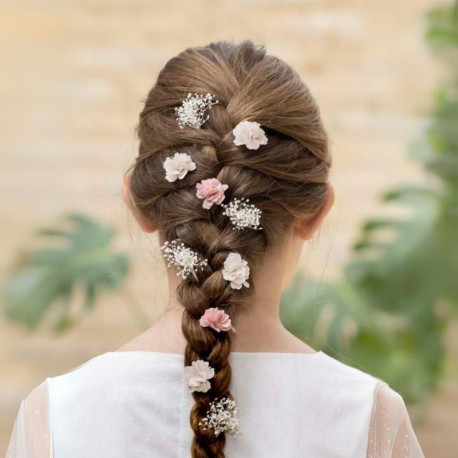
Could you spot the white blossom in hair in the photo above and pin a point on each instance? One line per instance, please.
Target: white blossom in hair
(178, 254)
(250, 134)
(191, 112)
(236, 270)
(178, 166)
(222, 417)
(243, 214)
(197, 376)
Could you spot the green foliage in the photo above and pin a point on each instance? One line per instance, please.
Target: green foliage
(389, 312)
(48, 278)
(339, 319)
(442, 28)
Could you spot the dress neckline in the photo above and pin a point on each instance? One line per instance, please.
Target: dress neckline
(237, 354)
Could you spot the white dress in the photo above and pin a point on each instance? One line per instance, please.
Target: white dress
(135, 404)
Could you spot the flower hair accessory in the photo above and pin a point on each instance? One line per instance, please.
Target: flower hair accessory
(191, 112)
(197, 376)
(222, 417)
(178, 166)
(177, 254)
(250, 134)
(216, 319)
(212, 191)
(243, 214)
(236, 270)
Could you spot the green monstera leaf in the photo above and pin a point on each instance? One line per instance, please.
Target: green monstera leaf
(45, 280)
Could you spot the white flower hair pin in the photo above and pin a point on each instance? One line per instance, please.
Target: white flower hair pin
(192, 110)
(236, 270)
(178, 254)
(222, 417)
(197, 376)
(178, 166)
(243, 214)
(250, 134)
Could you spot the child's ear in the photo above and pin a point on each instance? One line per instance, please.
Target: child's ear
(306, 229)
(143, 222)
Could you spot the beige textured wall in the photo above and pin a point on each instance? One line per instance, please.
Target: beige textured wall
(74, 74)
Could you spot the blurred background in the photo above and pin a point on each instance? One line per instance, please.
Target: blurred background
(377, 287)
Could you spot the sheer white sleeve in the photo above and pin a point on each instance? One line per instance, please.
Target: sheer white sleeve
(31, 434)
(391, 434)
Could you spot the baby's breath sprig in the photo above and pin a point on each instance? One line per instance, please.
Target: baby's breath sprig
(178, 254)
(222, 417)
(191, 112)
(243, 214)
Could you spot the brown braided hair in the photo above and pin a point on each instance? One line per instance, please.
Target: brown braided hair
(285, 179)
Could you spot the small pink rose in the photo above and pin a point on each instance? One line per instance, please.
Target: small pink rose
(212, 191)
(217, 319)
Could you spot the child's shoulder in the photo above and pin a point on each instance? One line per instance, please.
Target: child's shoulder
(346, 371)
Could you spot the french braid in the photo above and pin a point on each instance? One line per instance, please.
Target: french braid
(285, 179)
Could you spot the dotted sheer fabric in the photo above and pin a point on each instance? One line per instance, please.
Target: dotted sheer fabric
(31, 432)
(123, 404)
(391, 434)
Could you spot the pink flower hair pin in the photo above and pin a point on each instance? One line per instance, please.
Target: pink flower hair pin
(212, 191)
(216, 319)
